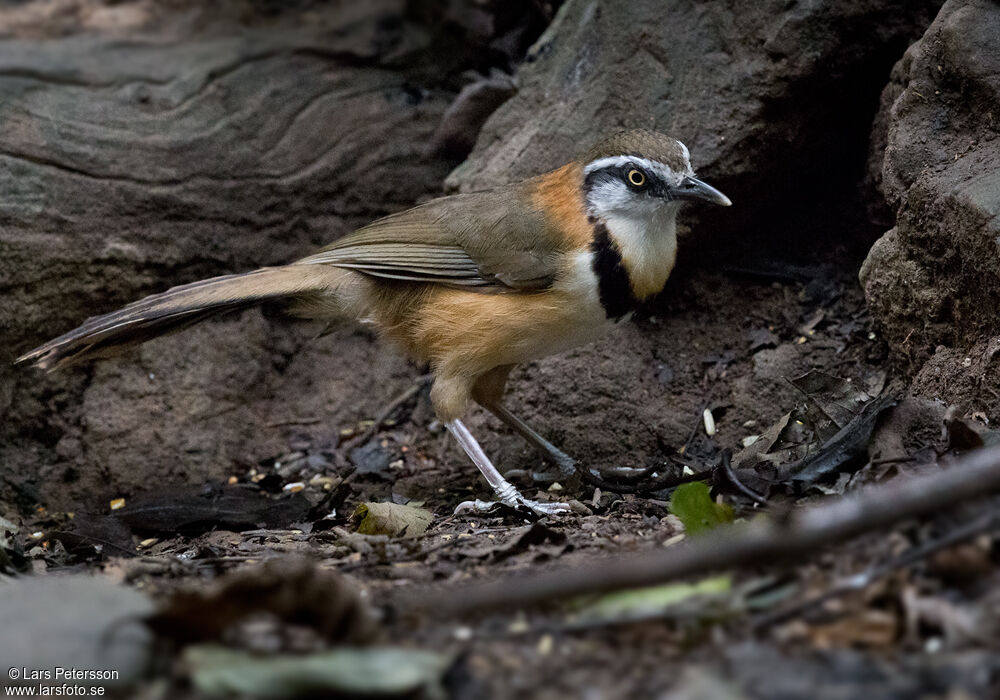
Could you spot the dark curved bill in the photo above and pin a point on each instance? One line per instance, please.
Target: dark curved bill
(693, 188)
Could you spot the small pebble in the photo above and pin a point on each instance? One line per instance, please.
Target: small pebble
(518, 626)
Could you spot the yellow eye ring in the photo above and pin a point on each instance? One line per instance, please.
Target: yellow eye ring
(636, 178)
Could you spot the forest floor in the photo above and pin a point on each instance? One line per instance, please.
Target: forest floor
(269, 562)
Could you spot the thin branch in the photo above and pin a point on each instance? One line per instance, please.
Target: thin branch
(797, 536)
(726, 467)
(383, 415)
(634, 483)
(984, 523)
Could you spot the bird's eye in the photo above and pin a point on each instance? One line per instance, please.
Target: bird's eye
(636, 178)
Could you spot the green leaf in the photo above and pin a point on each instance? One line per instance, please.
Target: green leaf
(371, 672)
(654, 599)
(392, 519)
(696, 509)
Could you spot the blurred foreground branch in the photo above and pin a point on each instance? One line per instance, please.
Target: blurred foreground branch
(797, 535)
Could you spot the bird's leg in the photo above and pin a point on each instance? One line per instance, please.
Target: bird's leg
(506, 492)
(488, 393)
(567, 468)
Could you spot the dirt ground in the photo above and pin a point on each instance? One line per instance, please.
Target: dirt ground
(726, 340)
(224, 486)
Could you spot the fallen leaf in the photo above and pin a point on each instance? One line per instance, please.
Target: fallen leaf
(867, 628)
(839, 399)
(193, 510)
(847, 446)
(644, 602)
(763, 444)
(392, 519)
(373, 672)
(696, 509)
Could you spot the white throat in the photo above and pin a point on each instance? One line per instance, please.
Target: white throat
(642, 223)
(647, 241)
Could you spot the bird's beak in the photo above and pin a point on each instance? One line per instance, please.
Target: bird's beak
(693, 188)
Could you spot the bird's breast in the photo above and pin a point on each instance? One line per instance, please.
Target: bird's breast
(614, 285)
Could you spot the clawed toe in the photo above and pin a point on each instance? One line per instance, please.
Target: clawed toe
(517, 502)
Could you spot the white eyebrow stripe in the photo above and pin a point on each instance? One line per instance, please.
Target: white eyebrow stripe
(619, 161)
(687, 153)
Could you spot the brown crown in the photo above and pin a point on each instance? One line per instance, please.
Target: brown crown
(642, 143)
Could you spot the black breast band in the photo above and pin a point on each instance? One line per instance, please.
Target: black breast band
(613, 284)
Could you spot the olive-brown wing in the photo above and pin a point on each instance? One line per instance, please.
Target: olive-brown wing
(493, 241)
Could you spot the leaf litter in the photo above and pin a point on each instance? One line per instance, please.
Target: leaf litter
(230, 601)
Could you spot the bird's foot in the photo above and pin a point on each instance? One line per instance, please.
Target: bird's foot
(512, 498)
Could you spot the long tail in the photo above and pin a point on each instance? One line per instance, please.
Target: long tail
(178, 308)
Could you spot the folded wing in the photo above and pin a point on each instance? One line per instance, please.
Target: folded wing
(489, 241)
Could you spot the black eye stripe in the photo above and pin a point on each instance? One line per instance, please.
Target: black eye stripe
(619, 173)
(626, 175)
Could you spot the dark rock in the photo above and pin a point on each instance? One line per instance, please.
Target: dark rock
(461, 123)
(160, 143)
(932, 281)
(774, 99)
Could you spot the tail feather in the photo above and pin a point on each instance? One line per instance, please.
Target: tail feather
(179, 308)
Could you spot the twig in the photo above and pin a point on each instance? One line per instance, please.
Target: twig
(858, 582)
(383, 415)
(726, 467)
(629, 484)
(744, 545)
(300, 421)
(694, 430)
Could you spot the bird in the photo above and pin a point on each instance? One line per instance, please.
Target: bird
(471, 284)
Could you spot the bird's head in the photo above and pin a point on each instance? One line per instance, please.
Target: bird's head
(634, 183)
(640, 178)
